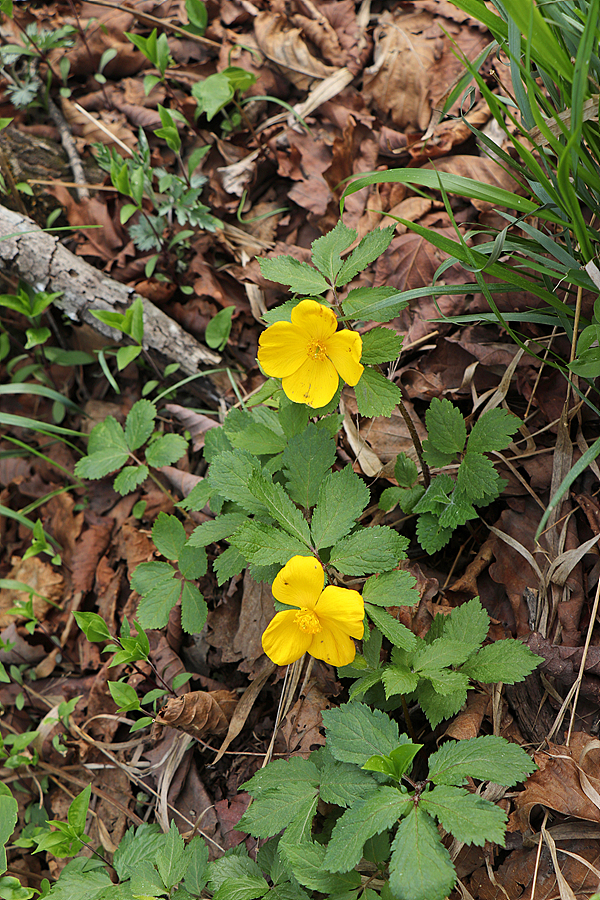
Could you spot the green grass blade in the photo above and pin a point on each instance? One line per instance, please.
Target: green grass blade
(33, 425)
(40, 390)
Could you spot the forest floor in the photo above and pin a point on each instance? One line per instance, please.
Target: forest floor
(275, 186)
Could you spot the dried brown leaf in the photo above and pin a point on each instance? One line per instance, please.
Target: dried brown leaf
(199, 712)
(285, 47)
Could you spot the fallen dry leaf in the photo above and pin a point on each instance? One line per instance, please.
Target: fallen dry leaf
(198, 713)
(285, 47)
(40, 576)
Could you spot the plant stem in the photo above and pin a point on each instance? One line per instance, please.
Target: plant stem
(416, 442)
(407, 719)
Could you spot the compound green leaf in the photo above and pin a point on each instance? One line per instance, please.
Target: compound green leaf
(215, 530)
(275, 809)
(488, 758)
(129, 478)
(307, 861)
(420, 867)
(508, 661)
(246, 432)
(343, 783)
(342, 498)
(300, 276)
(101, 463)
(468, 817)
(364, 819)
(439, 654)
(430, 533)
(397, 588)
(468, 623)
(395, 631)
(229, 475)
(171, 861)
(405, 471)
(265, 545)
(376, 549)
(159, 590)
(398, 680)
(193, 609)
(477, 477)
(229, 563)
(436, 706)
(136, 845)
(197, 868)
(278, 504)
(446, 427)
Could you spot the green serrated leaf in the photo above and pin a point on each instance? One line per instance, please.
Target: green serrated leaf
(405, 471)
(364, 819)
(355, 732)
(492, 431)
(468, 817)
(446, 427)
(430, 534)
(379, 304)
(307, 460)
(477, 477)
(395, 588)
(197, 870)
(215, 530)
(166, 450)
(376, 549)
(343, 783)
(171, 861)
(264, 545)
(342, 498)
(436, 706)
(246, 432)
(420, 866)
(372, 245)
(390, 498)
(468, 624)
(129, 478)
(508, 661)
(230, 867)
(398, 680)
(193, 609)
(159, 589)
(326, 250)
(197, 498)
(300, 276)
(275, 808)
(229, 563)
(278, 504)
(307, 861)
(380, 345)
(168, 535)
(376, 395)
(487, 758)
(229, 475)
(8, 819)
(439, 654)
(192, 562)
(394, 631)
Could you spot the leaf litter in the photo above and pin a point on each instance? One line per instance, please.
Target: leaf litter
(367, 95)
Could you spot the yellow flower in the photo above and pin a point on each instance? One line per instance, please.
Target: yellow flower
(309, 355)
(325, 622)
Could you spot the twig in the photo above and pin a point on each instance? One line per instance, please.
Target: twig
(416, 442)
(68, 143)
(147, 19)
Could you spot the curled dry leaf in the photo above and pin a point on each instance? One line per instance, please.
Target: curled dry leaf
(285, 47)
(196, 423)
(199, 712)
(41, 577)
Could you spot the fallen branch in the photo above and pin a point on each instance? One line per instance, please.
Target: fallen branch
(39, 258)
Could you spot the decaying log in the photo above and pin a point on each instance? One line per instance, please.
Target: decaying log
(40, 259)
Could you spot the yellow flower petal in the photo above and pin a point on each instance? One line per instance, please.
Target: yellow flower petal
(283, 641)
(314, 383)
(342, 607)
(333, 645)
(300, 582)
(344, 349)
(282, 349)
(317, 321)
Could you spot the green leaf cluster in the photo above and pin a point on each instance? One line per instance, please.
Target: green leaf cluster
(110, 447)
(446, 503)
(436, 671)
(361, 774)
(332, 270)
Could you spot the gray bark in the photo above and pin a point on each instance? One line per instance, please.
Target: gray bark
(39, 259)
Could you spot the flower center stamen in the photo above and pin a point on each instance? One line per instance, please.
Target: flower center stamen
(307, 621)
(316, 350)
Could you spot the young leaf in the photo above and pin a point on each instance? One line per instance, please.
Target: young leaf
(492, 431)
(487, 758)
(365, 818)
(342, 498)
(405, 471)
(168, 535)
(468, 817)
(278, 504)
(264, 545)
(307, 861)
(420, 866)
(372, 245)
(393, 630)
(307, 460)
(380, 345)
(355, 732)
(193, 609)
(508, 661)
(124, 695)
(301, 278)
(376, 549)
(140, 423)
(166, 450)
(430, 533)
(390, 498)
(395, 588)
(93, 626)
(376, 395)
(445, 426)
(326, 250)
(129, 478)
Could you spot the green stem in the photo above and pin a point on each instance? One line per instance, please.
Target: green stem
(416, 442)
